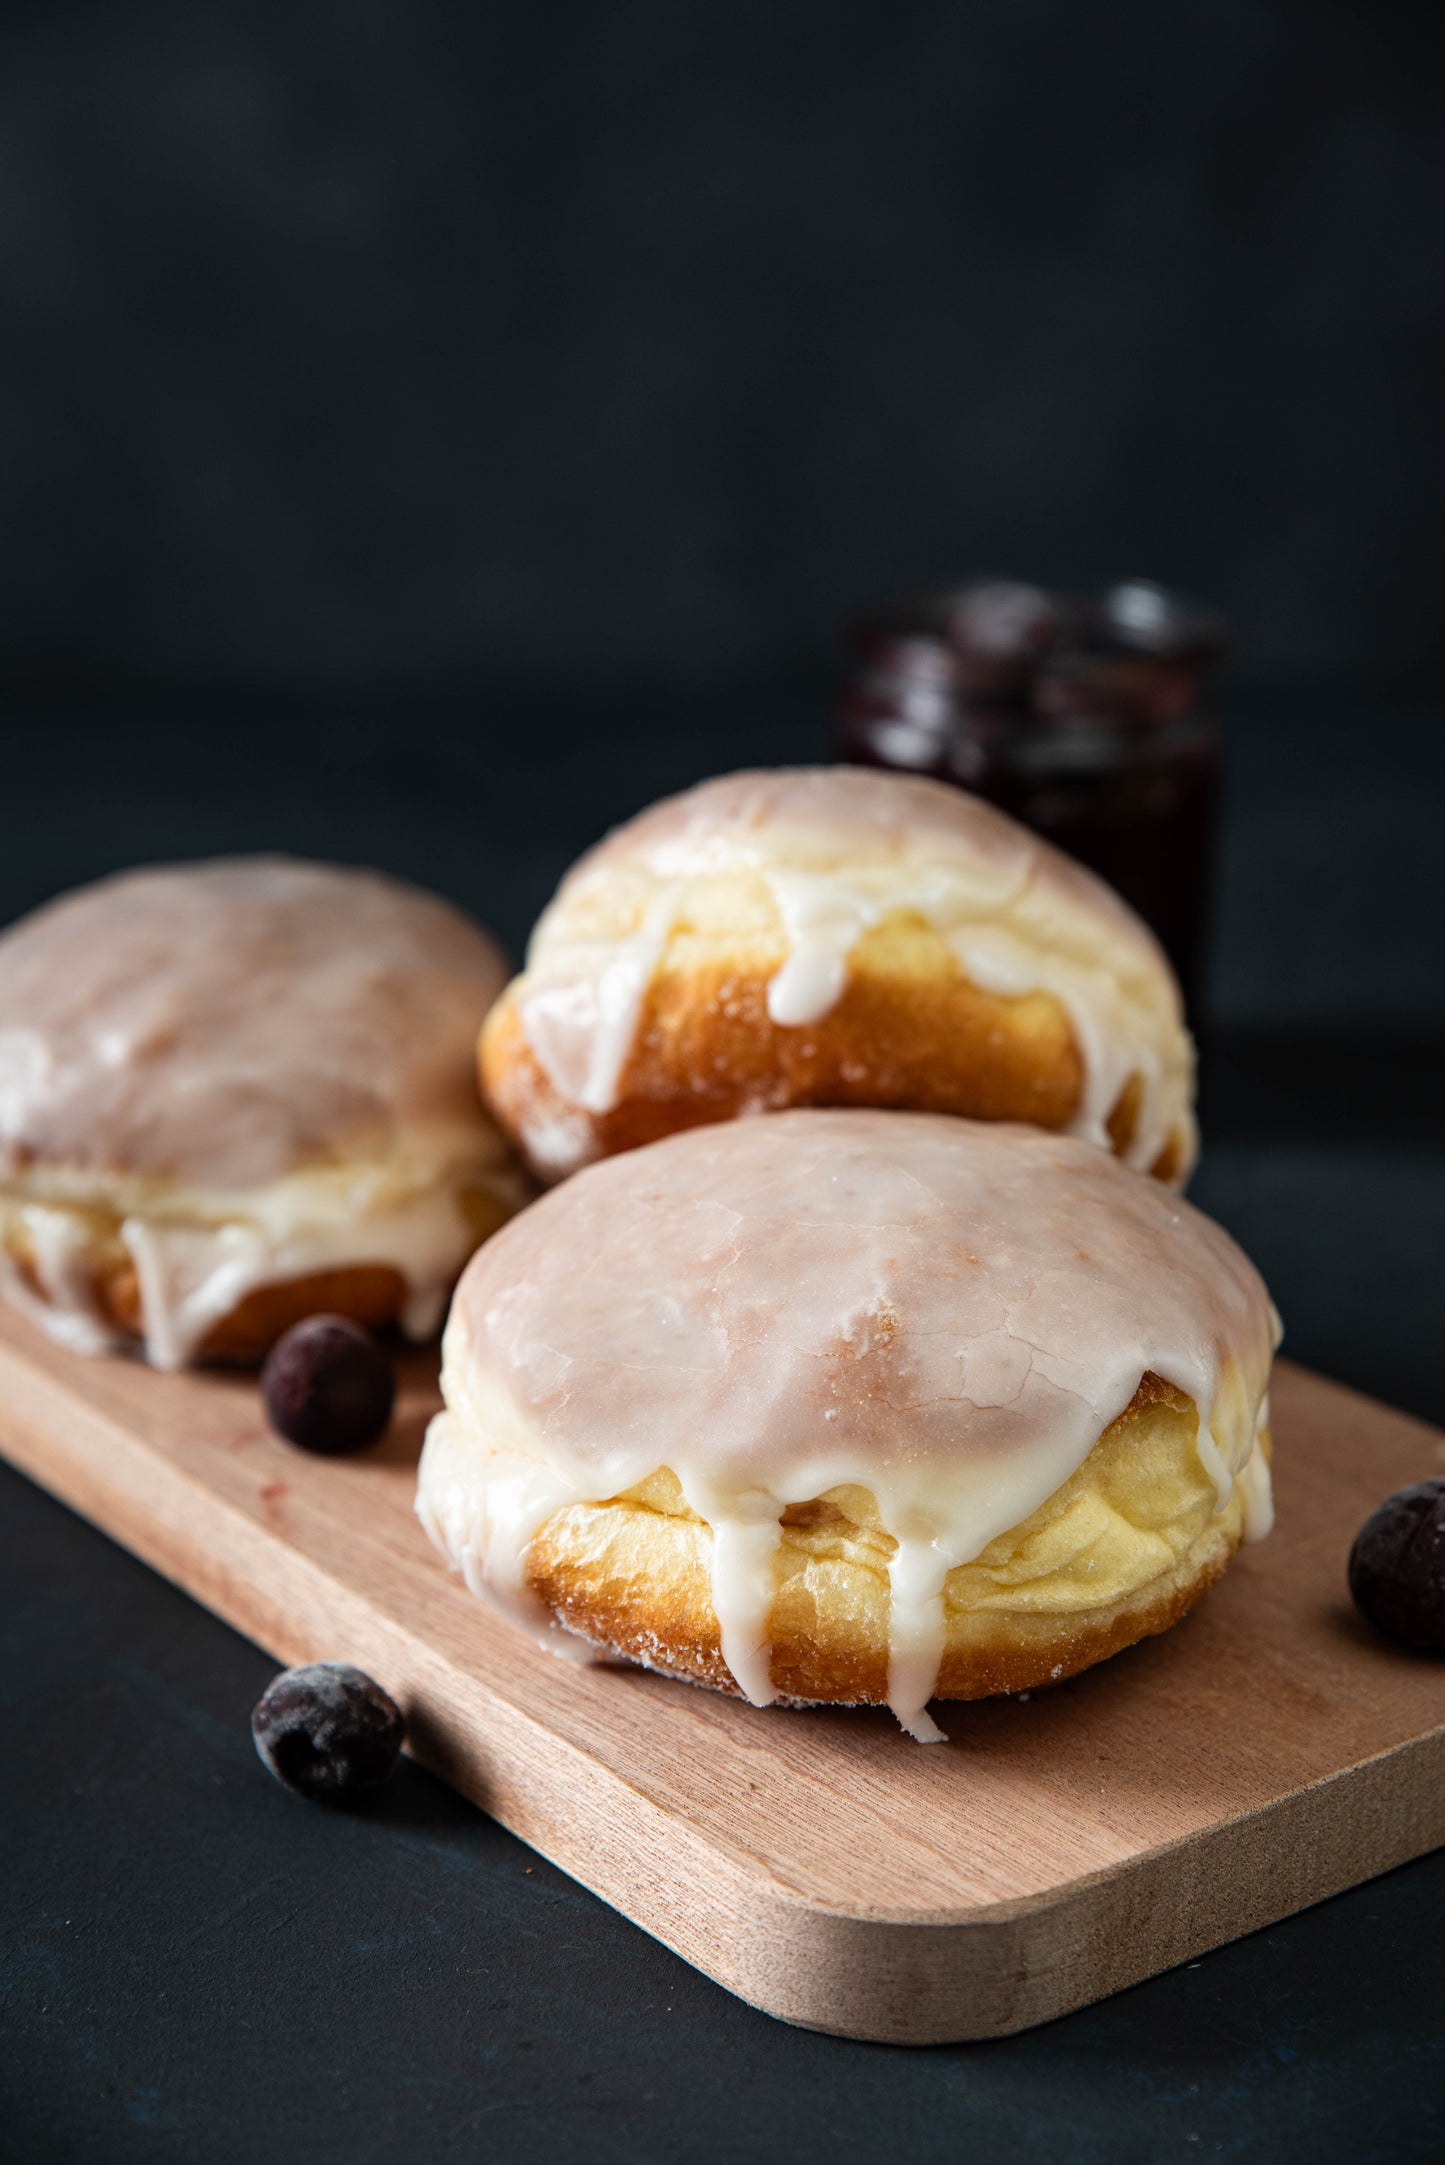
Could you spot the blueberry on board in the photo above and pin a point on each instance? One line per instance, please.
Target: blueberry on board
(1397, 1566)
(328, 1386)
(328, 1731)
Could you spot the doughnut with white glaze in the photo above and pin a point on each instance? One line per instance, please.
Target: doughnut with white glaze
(236, 1093)
(834, 936)
(853, 1406)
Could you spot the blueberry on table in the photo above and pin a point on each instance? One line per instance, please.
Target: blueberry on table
(328, 1386)
(1397, 1566)
(328, 1731)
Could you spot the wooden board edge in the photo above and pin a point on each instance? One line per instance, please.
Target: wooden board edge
(995, 1971)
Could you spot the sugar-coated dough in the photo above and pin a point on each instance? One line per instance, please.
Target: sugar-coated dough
(217, 1076)
(788, 875)
(223, 1024)
(948, 1315)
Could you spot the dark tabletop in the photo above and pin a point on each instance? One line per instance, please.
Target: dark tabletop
(196, 1966)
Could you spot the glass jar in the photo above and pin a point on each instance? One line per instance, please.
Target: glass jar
(1077, 715)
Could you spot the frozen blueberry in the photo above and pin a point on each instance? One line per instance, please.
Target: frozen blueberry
(328, 1386)
(327, 1731)
(1397, 1566)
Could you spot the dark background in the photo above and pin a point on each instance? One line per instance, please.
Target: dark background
(427, 433)
(407, 342)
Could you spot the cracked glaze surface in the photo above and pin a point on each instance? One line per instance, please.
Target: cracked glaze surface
(839, 849)
(946, 1313)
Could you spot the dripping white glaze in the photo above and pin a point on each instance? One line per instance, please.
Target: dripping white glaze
(745, 1536)
(824, 915)
(1255, 1481)
(190, 1277)
(487, 1533)
(946, 1313)
(839, 851)
(582, 1027)
(190, 1273)
(255, 1069)
(57, 1244)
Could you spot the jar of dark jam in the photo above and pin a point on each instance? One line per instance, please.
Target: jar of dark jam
(1079, 715)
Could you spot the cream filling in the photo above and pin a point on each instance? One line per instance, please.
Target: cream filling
(582, 998)
(482, 1500)
(197, 1257)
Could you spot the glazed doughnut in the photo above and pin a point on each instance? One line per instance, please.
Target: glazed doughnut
(834, 936)
(233, 1094)
(853, 1407)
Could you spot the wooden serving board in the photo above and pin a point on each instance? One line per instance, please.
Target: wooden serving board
(1269, 1751)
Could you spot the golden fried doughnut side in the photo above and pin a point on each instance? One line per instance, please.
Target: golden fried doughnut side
(827, 936)
(910, 1032)
(228, 1080)
(1119, 1553)
(373, 1294)
(368, 1293)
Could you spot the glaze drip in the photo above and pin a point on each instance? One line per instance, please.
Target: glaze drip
(582, 1028)
(65, 1308)
(243, 1072)
(190, 1277)
(837, 852)
(195, 1265)
(945, 1313)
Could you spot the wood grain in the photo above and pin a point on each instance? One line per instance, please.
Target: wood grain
(1268, 1752)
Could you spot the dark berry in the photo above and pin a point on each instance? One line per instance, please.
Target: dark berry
(327, 1731)
(1397, 1566)
(328, 1386)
